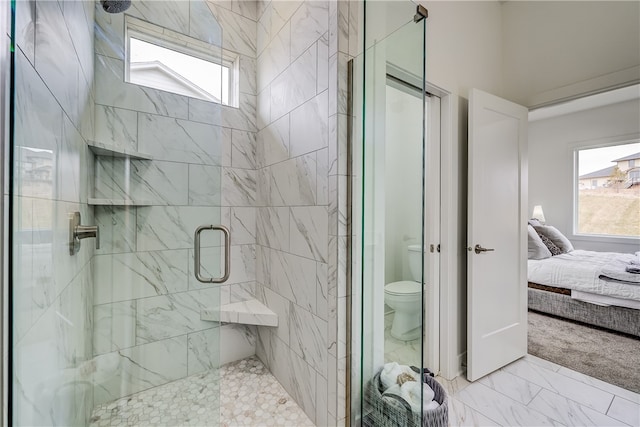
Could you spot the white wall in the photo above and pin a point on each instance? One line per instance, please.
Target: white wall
(551, 145)
(464, 46)
(403, 181)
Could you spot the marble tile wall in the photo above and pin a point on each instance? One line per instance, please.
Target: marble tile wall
(302, 52)
(53, 310)
(147, 303)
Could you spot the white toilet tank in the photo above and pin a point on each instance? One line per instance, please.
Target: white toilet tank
(415, 262)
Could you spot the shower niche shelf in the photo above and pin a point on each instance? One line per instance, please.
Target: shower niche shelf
(118, 202)
(100, 149)
(106, 150)
(250, 312)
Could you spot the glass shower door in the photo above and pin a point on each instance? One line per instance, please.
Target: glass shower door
(393, 261)
(110, 181)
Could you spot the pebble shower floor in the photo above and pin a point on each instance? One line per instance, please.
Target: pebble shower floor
(249, 396)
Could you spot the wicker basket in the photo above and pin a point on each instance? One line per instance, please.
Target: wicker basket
(389, 412)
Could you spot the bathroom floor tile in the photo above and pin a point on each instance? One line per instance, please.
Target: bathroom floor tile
(249, 396)
(402, 352)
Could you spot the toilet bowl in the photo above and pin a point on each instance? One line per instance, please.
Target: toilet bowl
(405, 298)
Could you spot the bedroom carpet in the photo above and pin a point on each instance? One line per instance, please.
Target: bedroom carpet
(608, 356)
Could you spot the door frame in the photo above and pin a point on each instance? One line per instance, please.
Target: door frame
(453, 231)
(5, 106)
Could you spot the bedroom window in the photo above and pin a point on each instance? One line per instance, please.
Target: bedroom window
(608, 190)
(174, 63)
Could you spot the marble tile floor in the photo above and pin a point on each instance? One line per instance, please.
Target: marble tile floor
(249, 396)
(534, 392)
(403, 352)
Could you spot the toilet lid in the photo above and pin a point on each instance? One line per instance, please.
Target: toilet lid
(403, 287)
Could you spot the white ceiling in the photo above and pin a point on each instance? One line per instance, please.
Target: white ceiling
(586, 103)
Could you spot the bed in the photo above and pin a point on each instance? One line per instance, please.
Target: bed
(572, 285)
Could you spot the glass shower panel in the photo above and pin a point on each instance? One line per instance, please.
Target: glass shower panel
(390, 162)
(111, 316)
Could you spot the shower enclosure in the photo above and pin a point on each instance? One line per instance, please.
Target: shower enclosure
(396, 207)
(110, 180)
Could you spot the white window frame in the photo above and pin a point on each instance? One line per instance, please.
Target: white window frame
(150, 33)
(575, 149)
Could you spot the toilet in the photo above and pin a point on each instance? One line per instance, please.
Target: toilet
(405, 297)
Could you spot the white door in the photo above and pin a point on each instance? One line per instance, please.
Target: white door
(496, 235)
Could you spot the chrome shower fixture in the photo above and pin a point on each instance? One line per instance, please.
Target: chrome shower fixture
(115, 6)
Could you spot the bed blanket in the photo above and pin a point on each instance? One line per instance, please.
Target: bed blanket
(620, 272)
(580, 270)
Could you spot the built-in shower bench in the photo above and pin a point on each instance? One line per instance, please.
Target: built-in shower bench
(250, 312)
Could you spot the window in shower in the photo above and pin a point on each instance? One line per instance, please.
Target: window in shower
(179, 65)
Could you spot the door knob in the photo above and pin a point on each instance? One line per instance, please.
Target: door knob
(479, 249)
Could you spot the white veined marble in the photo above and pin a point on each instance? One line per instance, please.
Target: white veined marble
(172, 227)
(308, 24)
(128, 276)
(295, 375)
(293, 182)
(273, 227)
(281, 306)
(275, 58)
(172, 315)
(238, 187)
(310, 126)
(498, 398)
(573, 389)
(249, 312)
(114, 92)
(160, 183)
(295, 85)
(309, 232)
(205, 184)
(243, 225)
(294, 278)
(625, 410)
(203, 24)
(273, 142)
(568, 412)
(116, 127)
(176, 140)
(308, 338)
(239, 32)
(243, 149)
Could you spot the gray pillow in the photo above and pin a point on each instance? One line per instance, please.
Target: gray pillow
(556, 237)
(537, 248)
(555, 250)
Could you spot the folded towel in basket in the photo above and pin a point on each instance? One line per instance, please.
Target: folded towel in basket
(413, 391)
(391, 371)
(431, 405)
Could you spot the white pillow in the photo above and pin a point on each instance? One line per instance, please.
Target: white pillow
(537, 248)
(555, 236)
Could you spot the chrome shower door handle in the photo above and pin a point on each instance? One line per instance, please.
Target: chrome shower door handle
(227, 254)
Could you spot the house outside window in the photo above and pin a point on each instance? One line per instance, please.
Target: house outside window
(172, 62)
(607, 190)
